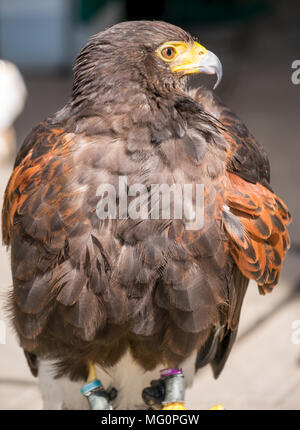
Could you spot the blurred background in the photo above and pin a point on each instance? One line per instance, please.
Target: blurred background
(257, 41)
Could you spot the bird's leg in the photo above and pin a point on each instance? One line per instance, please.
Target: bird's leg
(168, 391)
(98, 397)
(92, 376)
(174, 389)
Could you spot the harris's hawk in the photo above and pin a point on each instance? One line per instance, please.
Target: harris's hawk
(136, 294)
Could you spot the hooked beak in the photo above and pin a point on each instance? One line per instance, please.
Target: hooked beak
(199, 60)
(211, 65)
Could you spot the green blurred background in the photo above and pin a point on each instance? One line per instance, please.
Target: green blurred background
(45, 35)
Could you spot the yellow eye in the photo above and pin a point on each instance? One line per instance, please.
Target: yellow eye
(168, 53)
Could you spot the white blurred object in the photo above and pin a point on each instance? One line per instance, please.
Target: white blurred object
(12, 94)
(12, 99)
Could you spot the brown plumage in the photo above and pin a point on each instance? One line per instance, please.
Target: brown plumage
(87, 289)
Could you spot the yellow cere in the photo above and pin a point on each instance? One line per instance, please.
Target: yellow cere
(186, 56)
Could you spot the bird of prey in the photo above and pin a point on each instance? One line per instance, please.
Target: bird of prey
(132, 295)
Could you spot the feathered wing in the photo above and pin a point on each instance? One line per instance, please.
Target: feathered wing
(58, 264)
(246, 158)
(218, 345)
(263, 218)
(254, 218)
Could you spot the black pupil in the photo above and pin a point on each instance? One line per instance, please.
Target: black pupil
(169, 52)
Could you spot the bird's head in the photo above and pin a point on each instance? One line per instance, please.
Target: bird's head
(148, 53)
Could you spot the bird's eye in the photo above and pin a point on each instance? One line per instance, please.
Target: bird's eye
(168, 53)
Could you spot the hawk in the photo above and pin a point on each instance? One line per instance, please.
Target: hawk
(132, 295)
